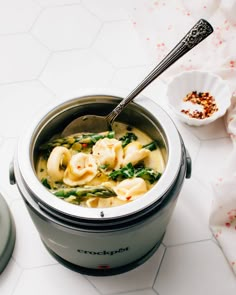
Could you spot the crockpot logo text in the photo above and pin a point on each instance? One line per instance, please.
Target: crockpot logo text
(104, 252)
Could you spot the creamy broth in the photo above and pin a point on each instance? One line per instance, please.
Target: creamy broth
(101, 170)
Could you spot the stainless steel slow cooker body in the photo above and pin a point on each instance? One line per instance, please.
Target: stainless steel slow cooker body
(102, 241)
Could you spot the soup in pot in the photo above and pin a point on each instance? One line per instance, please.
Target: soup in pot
(103, 169)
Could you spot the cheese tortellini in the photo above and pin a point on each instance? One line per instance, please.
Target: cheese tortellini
(101, 170)
(81, 169)
(134, 153)
(59, 156)
(108, 152)
(130, 189)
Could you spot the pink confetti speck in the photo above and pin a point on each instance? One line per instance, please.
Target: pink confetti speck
(232, 63)
(147, 39)
(134, 23)
(204, 7)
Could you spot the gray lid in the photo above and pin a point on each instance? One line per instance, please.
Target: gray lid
(7, 233)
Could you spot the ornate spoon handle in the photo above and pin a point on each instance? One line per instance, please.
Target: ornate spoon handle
(198, 33)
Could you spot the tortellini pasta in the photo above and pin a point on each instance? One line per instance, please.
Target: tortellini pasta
(108, 152)
(81, 169)
(104, 203)
(102, 170)
(130, 189)
(59, 157)
(133, 153)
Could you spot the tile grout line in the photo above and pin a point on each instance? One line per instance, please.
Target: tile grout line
(159, 267)
(189, 243)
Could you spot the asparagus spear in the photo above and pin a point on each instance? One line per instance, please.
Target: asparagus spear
(85, 192)
(69, 141)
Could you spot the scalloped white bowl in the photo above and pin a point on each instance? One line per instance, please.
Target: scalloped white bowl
(199, 81)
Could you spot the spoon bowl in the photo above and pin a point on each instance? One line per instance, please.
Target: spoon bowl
(93, 123)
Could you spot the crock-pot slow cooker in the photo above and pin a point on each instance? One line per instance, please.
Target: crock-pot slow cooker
(102, 241)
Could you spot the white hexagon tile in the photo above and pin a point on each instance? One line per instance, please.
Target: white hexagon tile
(17, 16)
(69, 72)
(52, 49)
(21, 58)
(72, 27)
(22, 101)
(10, 277)
(107, 10)
(53, 3)
(117, 42)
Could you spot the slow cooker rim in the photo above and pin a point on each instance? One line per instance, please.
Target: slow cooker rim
(171, 170)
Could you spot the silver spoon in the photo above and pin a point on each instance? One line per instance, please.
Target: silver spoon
(93, 123)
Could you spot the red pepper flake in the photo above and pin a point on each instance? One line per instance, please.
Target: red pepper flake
(205, 100)
(128, 198)
(227, 224)
(84, 145)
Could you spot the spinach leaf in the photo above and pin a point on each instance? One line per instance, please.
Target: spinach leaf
(130, 171)
(127, 138)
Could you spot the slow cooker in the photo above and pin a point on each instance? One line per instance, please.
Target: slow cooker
(102, 241)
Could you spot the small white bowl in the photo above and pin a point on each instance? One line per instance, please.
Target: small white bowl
(199, 81)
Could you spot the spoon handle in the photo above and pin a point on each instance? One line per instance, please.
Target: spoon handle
(198, 33)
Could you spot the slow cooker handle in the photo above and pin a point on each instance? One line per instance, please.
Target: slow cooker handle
(188, 165)
(12, 178)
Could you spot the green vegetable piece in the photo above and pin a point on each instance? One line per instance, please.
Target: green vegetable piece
(151, 146)
(123, 173)
(128, 138)
(69, 141)
(130, 171)
(44, 181)
(85, 192)
(148, 174)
